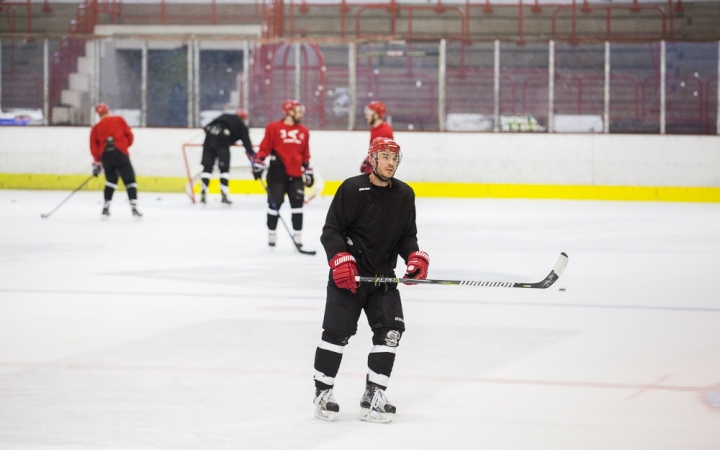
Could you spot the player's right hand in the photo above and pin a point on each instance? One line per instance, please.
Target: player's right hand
(97, 168)
(344, 271)
(258, 167)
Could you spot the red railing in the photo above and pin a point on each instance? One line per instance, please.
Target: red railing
(271, 13)
(10, 10)
(202, 14)
(608, 35)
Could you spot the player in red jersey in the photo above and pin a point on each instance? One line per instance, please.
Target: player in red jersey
(375, 115)
(110, 139)
(286, 143)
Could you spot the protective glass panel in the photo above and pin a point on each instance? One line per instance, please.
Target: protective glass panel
(523, 87)
(635, 88)
(272, 80)
(692, 70)
(404, 77)
(329, 87)
(121, 78)
(220, 84)
(470, 78)
(579, 87)
(71, 73)
(22, 82)
(167, 84)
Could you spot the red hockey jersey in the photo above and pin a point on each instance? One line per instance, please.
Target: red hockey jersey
(114, 126)
(382, 130)
(291, 144)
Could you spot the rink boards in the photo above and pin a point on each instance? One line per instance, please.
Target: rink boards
(453, 165)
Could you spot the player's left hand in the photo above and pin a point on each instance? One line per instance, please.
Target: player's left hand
(309, 177)
(258, 167)
(417, 266)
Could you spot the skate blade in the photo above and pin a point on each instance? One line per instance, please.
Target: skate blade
(369, 415)
(327, 416)
(104, 218)
(137, 219)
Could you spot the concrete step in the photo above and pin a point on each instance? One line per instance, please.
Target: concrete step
(79, 82)
(75, 99)
(85, 64)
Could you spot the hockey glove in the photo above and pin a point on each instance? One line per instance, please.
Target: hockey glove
(417, 266)
(97, 168)
(365, 166)
(309, 177)
(258, 167)
(344, 271)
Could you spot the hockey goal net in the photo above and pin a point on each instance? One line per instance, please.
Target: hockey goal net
(239, 170)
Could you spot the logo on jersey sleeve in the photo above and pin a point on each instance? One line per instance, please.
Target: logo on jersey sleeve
(292, 136)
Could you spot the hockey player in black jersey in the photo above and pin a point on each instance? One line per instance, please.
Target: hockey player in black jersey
(370, 222)
(220, 134)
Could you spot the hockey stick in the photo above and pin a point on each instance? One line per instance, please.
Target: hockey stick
(546, 283)
(273, 205)
(45, 216)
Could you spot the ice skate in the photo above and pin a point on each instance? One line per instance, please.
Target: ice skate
(272, 238)
(225, 200)
(297, 237)
(136, 214)
(106, 211)
(325, 406)
(203, 199)
(375, 406)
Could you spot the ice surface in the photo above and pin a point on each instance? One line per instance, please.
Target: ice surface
(184, 331)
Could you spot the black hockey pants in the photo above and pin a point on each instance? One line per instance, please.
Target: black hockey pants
(216, 149)
(279, 184)
(383, 310)
(117, 163)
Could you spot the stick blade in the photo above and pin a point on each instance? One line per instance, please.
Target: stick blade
(305, 252)
(561, 264)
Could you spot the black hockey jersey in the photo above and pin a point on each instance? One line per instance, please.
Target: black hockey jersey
(228, 129)
(374, 224)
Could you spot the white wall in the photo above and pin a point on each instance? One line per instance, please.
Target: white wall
(583, 159)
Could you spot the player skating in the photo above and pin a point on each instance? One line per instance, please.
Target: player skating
(110, 140)
(220, 134)
(370, 222)
(287, 143)
(375, 115)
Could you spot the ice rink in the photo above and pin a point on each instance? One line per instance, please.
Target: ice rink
(184, 331)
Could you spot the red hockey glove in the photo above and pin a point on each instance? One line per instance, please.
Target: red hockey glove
(417, 266)
(365, 166)
(344, 271)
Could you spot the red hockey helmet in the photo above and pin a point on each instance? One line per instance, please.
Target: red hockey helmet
(243, 114)
(290, 105)
(383, 145)
(378, 107)
(102, 108)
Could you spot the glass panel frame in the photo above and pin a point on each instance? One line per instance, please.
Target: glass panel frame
(524, 72)
(691, 102)
(404, 76)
